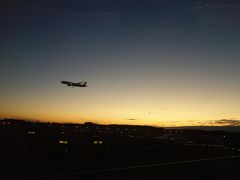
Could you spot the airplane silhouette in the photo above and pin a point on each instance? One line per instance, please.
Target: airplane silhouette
(79, 84)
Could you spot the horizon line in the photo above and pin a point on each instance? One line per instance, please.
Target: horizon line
(158, 126)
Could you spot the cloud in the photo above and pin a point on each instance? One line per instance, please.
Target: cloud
(132, 119)
(63, 10)
(101, 13)
(215, 6)
(227, 122)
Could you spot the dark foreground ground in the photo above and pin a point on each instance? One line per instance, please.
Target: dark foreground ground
(90, 151)
(215, 169)
(120, 167)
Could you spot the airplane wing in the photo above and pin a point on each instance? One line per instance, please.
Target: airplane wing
(81, 84)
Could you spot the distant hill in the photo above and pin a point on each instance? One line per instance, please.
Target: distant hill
(205, 128)
(210, 128)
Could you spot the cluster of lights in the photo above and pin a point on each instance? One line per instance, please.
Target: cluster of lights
(97, 142)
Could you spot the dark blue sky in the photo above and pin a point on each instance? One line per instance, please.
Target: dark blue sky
(137, 55)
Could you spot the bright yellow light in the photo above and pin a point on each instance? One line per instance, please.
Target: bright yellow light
(63, 142)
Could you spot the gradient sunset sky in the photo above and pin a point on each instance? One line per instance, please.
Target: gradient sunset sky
(151, 62)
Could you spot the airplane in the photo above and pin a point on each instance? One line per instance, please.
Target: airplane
(79, 84)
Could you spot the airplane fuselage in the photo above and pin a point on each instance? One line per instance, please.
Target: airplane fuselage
(79, 84)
